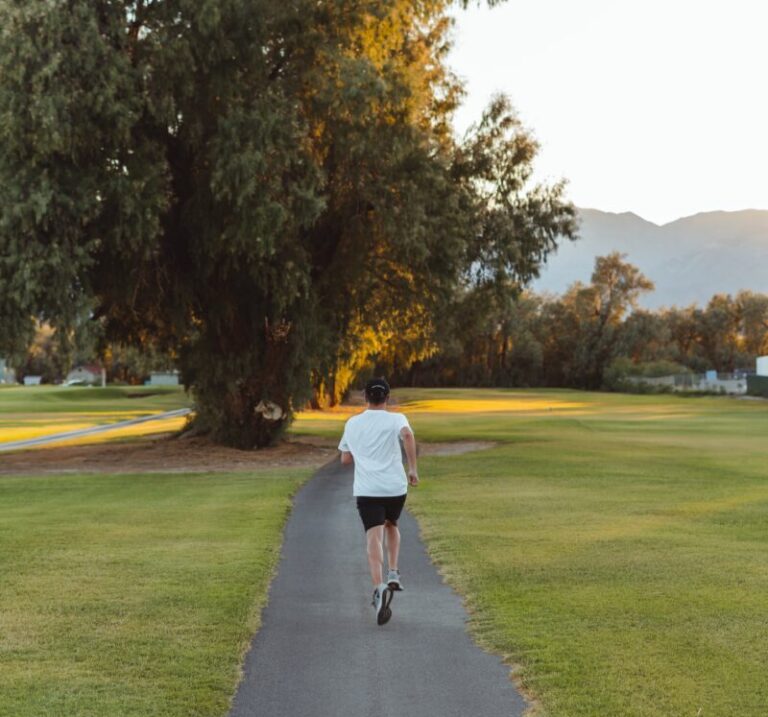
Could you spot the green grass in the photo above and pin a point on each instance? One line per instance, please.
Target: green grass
(133, 594)
(32, 411)
(614, 548)
(83, 399)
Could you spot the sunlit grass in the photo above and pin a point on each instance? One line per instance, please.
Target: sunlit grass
(456, 401)
(43, 417)
(52, 399)
(617, 550)
(140, 429)
(440, 414)
(337, 415)
(35, 411)
(524, 404)
(20, 431)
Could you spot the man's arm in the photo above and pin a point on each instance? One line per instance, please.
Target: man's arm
(346, 458)
(346, 455)
(409, 443)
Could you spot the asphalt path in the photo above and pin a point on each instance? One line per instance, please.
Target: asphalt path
(78, 433)
(319, 651)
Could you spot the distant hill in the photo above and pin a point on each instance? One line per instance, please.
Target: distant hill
(689, 259)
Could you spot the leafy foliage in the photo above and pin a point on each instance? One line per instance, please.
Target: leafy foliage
(593, 336)
(267, 192)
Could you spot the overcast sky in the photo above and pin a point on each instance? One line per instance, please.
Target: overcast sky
(658, 107)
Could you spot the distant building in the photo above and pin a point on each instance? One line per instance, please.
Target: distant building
(85, 373)
(7, 374)
(32, 380)
(757, 385)
(163, 378)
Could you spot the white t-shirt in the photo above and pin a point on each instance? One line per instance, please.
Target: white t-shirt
(373, 439)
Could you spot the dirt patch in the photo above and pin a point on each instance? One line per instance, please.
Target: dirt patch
(166, 453)
(453, 449)
(163, 453)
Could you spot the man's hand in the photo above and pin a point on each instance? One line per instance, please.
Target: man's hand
(413, 478)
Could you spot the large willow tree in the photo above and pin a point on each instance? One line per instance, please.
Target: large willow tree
(267, 190)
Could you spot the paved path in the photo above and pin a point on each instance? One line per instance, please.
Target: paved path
(67, 435)
(319, 651)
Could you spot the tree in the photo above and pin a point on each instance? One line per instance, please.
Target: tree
(645, 337)
(682, 327)
(719, 333)
(387, 246)
(43, 356)
(616, 286)
(256, 188)
(153, 158)
(753, 310)
(512, 228)
(585, 326)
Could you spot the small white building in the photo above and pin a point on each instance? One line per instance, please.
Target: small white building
(89, 374)
(32, 380)
(163, 378)
(7, 374)
(762, 366)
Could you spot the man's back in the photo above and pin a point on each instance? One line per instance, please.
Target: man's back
(373, 438)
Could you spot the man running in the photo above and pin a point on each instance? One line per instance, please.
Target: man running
(371, 441)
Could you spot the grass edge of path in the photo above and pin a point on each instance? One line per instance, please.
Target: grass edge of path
(516, 675)
(252, 609)
(254, 622)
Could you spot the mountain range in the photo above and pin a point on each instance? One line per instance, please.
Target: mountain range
(689, 260)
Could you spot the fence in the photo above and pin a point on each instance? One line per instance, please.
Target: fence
(724, 383)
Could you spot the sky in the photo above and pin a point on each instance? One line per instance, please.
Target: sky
(658, 107)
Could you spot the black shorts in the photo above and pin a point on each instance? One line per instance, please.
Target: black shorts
(374, 510)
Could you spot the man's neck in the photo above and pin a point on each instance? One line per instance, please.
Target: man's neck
(377, 406)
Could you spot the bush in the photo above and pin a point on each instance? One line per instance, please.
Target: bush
(655, 369)
(618, 374)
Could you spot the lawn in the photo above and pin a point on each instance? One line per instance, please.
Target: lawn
(613, 548)
(133, 594)
(32, 411)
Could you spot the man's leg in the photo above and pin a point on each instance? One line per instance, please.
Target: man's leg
(374, 536)
(393, 544)
(382, 594)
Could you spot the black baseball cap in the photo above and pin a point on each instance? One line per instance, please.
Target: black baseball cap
(376, 390)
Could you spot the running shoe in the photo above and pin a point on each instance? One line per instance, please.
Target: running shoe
(382, 597)
(393, 580)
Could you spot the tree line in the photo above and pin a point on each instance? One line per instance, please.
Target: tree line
(591, 336)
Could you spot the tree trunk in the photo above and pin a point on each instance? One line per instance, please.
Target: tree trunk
(242, 392)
